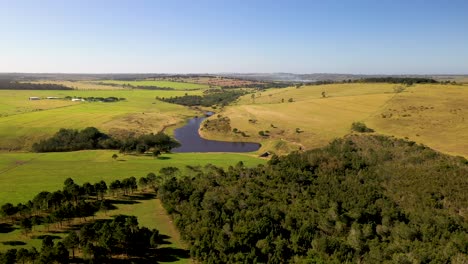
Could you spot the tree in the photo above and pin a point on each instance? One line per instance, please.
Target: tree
(156, 153)
(9, 257)
(155, 239)
(26, 225)
(115, 156)
(22, 255)
(324, 94)
(72, 241)
(290, 100)
(61, 253)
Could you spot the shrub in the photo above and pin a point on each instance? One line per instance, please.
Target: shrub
(361, 127)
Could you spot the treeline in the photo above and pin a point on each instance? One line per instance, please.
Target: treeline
(73, 201)
(220, 98)
(362, 199)
(92, 138)
(13, 85)
(402, 80)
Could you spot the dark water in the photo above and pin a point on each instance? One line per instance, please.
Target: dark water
(192, 142)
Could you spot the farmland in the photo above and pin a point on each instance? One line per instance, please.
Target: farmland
(24, 122)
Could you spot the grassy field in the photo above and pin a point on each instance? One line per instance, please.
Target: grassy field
(160, 83)
(22, 175)
(23, 122)
(443, 126)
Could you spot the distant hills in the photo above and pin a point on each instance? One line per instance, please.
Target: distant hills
(276, 77)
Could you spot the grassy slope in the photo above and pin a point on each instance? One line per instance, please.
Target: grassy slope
(141, 112)
(319, 119)
(22, 175)
(170, 84)
(444, 128)
(434, 115)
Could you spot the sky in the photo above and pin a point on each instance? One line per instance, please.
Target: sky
(201, 36)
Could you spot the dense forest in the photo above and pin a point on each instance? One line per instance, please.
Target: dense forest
(361, 199)
(221, 98)
(13, 85)
(92, 138)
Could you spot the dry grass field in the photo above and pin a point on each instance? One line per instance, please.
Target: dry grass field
(435, 115)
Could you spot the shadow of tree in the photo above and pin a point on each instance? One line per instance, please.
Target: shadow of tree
(14, 243)
(7, 228)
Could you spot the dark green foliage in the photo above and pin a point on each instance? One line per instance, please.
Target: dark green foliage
(217, 98)
(403, 80)
(92, 138)
(366, 199)
(360, 127)
(13, 85)
(122, 235)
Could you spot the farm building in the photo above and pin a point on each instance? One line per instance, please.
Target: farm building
(77, 100)
(34, 98)
(52, 97)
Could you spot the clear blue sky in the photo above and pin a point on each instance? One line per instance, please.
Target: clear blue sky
(98, 36)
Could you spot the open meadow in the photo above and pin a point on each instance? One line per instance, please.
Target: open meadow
(23, 122)
(23, 175)
(311, 116)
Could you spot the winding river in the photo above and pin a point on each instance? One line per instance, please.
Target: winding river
(191, 141)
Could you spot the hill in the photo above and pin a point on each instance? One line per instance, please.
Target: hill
(311, 116)
(365, 199)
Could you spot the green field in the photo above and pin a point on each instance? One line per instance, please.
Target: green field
(435, 115)
(169, 84)
(23, 122)
(23, 175)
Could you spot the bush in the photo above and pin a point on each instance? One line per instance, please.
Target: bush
(361, 127)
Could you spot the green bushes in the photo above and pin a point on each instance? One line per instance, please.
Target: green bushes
(92, 138)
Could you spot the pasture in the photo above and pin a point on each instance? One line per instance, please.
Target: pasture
(23, 175)
(23, 122)
(311, 116)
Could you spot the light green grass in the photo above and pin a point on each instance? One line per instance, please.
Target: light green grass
(20, 126)
(23, 175)
(170, 84)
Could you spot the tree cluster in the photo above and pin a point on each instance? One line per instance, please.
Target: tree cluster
(55, 207)
(92, 138)
(364, 198)
(216, 98)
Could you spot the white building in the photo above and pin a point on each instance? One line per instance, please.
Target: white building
(34, 98)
